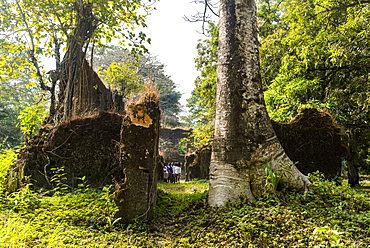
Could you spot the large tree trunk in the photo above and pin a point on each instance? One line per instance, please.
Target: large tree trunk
(244, 142)
(81, 92)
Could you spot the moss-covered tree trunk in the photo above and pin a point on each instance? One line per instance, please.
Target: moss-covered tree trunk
(244, 142)
(136, 195)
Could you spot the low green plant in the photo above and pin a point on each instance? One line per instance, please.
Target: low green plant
(175, 198)
(107, 197)
(23, 200)
(58, 180)
(30, 119)
(329, 215)
(272, 180)
(7, 158)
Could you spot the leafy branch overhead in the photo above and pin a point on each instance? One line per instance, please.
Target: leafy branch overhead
(37, 26)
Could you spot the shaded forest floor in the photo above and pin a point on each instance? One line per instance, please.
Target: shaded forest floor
(327, 216)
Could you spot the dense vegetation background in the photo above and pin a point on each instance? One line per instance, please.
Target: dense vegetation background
(313, 53)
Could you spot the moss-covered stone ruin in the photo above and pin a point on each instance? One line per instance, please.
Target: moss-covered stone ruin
(311, 139)
(95, 151)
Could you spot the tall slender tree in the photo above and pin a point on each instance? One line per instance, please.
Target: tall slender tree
(245, 143)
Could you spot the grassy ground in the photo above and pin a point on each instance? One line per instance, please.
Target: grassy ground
(327, 216)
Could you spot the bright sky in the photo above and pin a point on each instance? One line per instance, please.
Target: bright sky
(174, 41)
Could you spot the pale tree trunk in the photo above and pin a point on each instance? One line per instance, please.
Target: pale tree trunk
(244, 142)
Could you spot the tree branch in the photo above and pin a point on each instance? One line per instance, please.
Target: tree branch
(59, 20)
(31, 52)
(338, 68)
(345, 6)
(202, 16)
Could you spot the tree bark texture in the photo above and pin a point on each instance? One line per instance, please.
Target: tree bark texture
(353, 176)
(136, 195)
(244, 142)
(81, 92)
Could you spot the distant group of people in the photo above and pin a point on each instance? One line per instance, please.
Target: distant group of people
(172, 173)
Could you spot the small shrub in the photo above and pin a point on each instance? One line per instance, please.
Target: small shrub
(7, 158)
(31, 119)
(23, 200)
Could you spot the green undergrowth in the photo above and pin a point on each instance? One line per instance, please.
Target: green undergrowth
(7, 156)
(174, 199)
(327, 216)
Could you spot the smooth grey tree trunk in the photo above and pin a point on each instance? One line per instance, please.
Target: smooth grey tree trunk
(244, 142)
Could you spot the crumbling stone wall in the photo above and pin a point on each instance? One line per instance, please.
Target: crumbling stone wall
(169, 141)
(313, 140)
(189, 160)
(199, 168)
(84, 148)
(99, 150)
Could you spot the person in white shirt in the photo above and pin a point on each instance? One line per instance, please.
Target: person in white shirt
(165, 174)
(177, 172)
